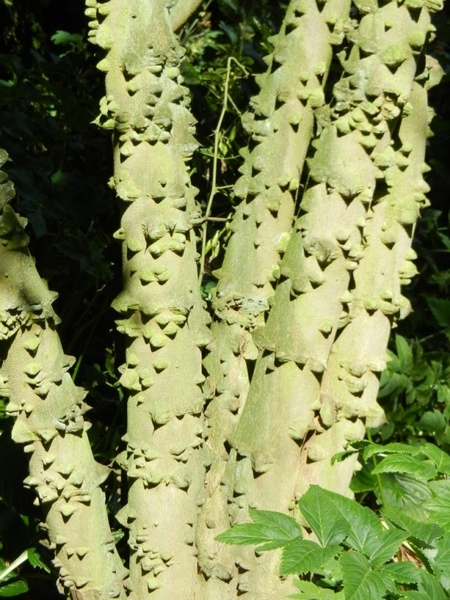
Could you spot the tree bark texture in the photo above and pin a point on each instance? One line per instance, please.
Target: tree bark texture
(309, 289)
(49, 410)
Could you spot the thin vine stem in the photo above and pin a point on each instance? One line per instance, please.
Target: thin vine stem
(214, 187)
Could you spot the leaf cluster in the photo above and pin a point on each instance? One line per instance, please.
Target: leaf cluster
(348, 551)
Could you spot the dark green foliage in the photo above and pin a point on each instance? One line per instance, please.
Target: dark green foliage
(222, 30)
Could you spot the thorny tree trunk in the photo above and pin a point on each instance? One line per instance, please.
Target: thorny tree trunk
(281, 124)
(315, 381)
(161, 305)
(49, 419)
(309, 289)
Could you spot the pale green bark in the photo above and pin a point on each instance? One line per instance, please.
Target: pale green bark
(315, 383)
(181, 11)
(337, 286)
(392, 129)
(49, 420)
(147, 108)
(281, 126)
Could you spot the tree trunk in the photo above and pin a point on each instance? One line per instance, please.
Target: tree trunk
(333, 296)
(161, 305)
(306, 296)
(49, 412)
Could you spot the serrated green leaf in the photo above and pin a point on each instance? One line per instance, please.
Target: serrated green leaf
(360, 581)
(440, 488)
(35, 559)
(401, 572)
(305, 556)
(270, 530)
(425, 532)
(441, 562)
(365, 527)
(441, 459)
(407, 492)
(404, 353)
(311, 591)
(384, 547)
(430, 587)
(282, 528)
(438, 506)
(439, 512)
(320, 513)
(413, 595)
(249, 534)
(403, 463)
(364, 530)
(440, 309)
(392, 448)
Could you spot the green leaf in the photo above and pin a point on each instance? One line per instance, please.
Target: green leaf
(35, 559)
(311, 591)
(390, 382)
(364, 525)
(319, 510)
(364, 531)
(401, 572)
(10, 584)
(65, 38)
(441, 562)
(441, 459)
(432, 421)
(360, 581)
(438, 505)
(425, 532)
(363, 481)
(12, 587)
(190, 74)
(403, 463)
(282, 528)
(231, 33)
(404, 353)
(340, 456)
(440, 309)
(406, 492)
(385, 546)
(270, 529)
(393, 448)
(305, 556)
(429, 589)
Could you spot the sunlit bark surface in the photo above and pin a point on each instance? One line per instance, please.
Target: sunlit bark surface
(146, 107)
(309, 288)
(49, 409)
